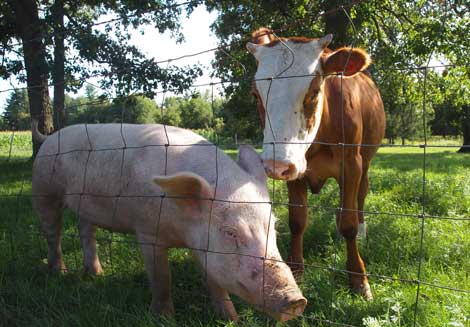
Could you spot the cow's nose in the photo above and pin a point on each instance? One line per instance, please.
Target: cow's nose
(280, 169)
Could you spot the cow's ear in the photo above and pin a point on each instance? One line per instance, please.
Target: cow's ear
(250, 161)
(189, 191)
(325, 41)
(346, 60)
(262, 35)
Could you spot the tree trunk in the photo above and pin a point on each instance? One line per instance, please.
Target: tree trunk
(337, 23)
(465, 129)
(29, 30)
(58, 73)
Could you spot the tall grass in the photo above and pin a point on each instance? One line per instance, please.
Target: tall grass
(400, 248)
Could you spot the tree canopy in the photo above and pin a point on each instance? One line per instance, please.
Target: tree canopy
(67, 42)
(35, 36)
(401, 37)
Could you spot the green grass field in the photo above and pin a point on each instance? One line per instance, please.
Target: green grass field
(393, 253)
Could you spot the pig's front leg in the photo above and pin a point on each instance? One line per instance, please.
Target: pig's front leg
(158, 272)
(222, 302)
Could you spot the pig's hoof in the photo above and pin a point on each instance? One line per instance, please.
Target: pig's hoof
(297, 268)
(364, 291)
(58, 268)
(94, 270)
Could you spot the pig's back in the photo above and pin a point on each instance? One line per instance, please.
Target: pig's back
(115, 159)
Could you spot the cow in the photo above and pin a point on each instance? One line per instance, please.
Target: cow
(323, 117)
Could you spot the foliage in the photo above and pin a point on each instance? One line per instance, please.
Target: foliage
(399, 35)
(122, 65)
(16, 111)
(170, 113)
(196, 112)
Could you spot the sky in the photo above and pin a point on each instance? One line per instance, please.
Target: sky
(198, 37)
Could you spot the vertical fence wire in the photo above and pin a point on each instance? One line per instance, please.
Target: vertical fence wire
(333, 269)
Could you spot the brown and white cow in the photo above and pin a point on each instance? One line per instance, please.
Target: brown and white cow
(322, 117)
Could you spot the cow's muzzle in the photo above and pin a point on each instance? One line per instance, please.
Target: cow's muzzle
(281, 170)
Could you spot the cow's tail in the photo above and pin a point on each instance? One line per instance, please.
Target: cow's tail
(37, 135)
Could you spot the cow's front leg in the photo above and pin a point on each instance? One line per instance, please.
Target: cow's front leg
(158, 272)
(347, 222)
(298, 215)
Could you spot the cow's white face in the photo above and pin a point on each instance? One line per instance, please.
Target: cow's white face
(292, 101)
(289, 88)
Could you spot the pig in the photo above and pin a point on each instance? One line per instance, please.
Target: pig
(173, 189)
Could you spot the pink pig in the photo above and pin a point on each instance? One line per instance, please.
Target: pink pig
(172, 188)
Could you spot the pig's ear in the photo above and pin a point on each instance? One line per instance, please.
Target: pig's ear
(189, 191)
(250, 161)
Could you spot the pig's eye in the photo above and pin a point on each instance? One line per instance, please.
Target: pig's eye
(230, 234)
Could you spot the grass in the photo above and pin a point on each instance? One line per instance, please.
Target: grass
(399, 246)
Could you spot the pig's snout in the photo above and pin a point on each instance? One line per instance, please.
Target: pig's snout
(291, 307)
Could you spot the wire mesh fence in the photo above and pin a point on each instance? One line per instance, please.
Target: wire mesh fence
(393, 265)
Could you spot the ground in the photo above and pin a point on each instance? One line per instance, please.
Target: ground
(400, 247)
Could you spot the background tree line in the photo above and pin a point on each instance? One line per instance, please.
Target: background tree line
(401, 36)
(195, 111)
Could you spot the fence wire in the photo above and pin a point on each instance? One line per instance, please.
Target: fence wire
(206, 249)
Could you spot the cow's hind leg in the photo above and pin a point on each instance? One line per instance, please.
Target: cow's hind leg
(88, 240)
(298, 215)
(50, 211)
(361, 197)
(347, 221)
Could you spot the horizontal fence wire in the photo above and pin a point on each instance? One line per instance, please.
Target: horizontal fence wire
(274, 203)
(333, 268)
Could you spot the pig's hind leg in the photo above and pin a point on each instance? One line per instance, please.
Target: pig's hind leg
(88, 240)
(158, 272)
(50, 211)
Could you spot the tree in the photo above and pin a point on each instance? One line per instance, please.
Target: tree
(399, 35)
(20, 20)
(196, 112)
(122, 67)
(170, 114)
(454, 104)
(132, 110)
(16, 112)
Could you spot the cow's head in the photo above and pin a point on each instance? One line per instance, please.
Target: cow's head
(289, 89)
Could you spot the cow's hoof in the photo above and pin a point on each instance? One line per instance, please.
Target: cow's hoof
(297, 268)
(365, 292)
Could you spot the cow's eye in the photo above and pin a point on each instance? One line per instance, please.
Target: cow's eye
(314, 94)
